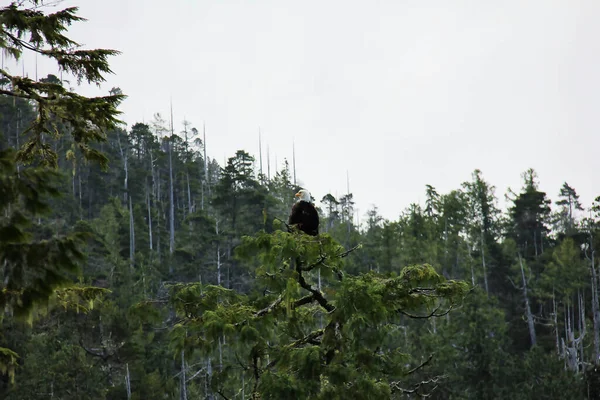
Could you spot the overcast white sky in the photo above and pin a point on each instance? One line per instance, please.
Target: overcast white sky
(399, 93)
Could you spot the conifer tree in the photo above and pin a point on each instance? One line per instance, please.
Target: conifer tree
(34, 266)
(279, 349)
(24, 26)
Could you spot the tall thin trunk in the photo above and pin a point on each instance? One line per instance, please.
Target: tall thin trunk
(131, 235)
(485, 277)
(171, 195)
(472, 263)
(183, 378)
(128, 382)
(207, 381)
(218, 253)
(530, 322)
(582, 331)
(555, 312)
(160, 205)
(268, 165)
(171, 208)
(189, 192)
(220, 355)
(205, 159)
(149, 217)
(202, 196)
(125, 166)
(80, 193)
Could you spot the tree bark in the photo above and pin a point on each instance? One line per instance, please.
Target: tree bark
(131, 235)
(530, 322)
(182, 377)
(485, 277)
(171, 208)
(149, 217)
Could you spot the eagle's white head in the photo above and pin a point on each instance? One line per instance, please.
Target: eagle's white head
(303, 195)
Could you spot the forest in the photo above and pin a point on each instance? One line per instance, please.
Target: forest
(135, 266)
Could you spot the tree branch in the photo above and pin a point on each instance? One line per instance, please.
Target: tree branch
(222, 395)
(424, 363)
(432, 314)
(395, 386)
(310, 338)
(345, 253)
(317, 295)
(269, 308)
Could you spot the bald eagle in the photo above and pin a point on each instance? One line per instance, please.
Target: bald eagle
(304, 215)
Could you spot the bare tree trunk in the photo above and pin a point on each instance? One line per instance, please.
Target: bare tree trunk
(182, 378)
(205, 159)
(128, 382)
(556, 323)
(485, 277)
(189, 192)
(218, 254)
(80, 192)
(530, 322)
(131, 235)
(220, 355)
(202, 196)
(208, 380)
(582, 330)
(149, 217)
(171, 209)
(159, 213)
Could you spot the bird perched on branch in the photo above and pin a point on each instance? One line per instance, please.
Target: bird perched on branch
(304, 214)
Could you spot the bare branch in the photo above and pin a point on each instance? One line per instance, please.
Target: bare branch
(434, 313)
(424, 363)
(395, 386)
(345, 253)
(317, 295)
(269, 308)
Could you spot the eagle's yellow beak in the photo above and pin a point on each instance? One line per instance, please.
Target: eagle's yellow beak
(297, 194)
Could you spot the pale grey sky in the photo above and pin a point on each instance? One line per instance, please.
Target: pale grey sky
(399, 93)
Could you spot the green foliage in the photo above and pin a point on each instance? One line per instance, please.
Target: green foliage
(33, 268)
(276, 339)
(87, 119)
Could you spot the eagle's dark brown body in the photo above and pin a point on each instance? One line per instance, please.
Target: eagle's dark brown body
(304, 216)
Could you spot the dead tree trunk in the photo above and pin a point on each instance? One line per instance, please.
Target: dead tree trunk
(485, 277)
(149, 216)
(128, 382)
(530, 322)
(182, 377)
(131, 235)
(171, 208)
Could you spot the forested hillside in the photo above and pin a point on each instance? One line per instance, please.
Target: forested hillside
(157, 273)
